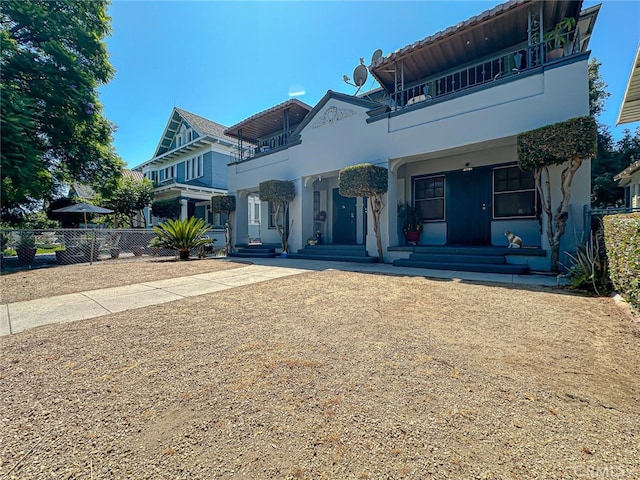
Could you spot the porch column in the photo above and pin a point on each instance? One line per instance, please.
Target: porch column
(240, 221)
(306, 201)
(391, 209)
(184, 209)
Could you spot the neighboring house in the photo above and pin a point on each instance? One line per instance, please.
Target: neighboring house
(629, 179)
(190, 165)
(444, 123)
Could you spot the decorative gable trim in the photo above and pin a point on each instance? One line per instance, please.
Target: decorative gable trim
(332, 115)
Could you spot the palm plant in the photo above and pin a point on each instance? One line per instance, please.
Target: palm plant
(183, 235)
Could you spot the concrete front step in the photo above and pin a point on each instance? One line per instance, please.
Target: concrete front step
(253, 254)
(465, 267)
(457, 258)
(480, 250)
(333, 258)
(332, 250)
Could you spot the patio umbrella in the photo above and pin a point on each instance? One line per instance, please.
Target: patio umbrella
(83, 208)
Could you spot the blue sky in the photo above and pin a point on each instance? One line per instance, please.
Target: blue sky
(227, 60)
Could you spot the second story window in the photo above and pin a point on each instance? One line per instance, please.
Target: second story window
(169, 172)
(195, 167)
(152, 175)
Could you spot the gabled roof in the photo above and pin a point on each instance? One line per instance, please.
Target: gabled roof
(203, 127)
(489, 32)
(342, 97)
(624, 177)
(630, 108)
(269, 122)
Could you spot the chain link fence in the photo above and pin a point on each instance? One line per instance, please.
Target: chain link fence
(50, 247)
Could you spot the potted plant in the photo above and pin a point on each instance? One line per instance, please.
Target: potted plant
(312, 241)
(26, 248)
(557, 37)
(411, 222)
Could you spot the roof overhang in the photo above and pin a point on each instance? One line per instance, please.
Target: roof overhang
(482, 35)
(269, 122)
(624, 177)
(182, 189)
(192, 147)
(630, 108)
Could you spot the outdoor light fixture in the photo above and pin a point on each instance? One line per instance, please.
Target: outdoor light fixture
(467, 167)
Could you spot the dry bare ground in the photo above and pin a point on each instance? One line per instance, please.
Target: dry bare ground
(328, 375)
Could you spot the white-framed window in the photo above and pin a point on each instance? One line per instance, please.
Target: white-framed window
(169, 172)
(429, 197)
(152, 175)
(514, 193)
(194, 167)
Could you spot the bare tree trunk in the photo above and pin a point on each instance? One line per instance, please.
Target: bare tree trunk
(376, 207)
(556, 224)
(227, 235)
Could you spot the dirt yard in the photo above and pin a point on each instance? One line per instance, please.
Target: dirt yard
(324, 375)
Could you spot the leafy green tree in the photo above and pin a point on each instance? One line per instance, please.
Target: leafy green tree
(130, 198)
(52, 60)
(183, 235)
(612, 157)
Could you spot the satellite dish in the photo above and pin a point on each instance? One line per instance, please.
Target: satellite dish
(376, 56)
(360, 75)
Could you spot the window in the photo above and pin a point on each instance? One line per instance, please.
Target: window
(514, 193)
(195, 167)
(152, 175)
(429, 197)
(272, 216)
(169, 172)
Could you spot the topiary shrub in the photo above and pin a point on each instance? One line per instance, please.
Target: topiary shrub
(570, 142)
(622, 240)
(225, 204)
(280, 193)
(366, 180)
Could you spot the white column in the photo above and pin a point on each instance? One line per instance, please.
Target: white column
(240, 220)
(184, 210)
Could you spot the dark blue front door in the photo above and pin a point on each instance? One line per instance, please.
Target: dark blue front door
(344, 219)
(469, 207)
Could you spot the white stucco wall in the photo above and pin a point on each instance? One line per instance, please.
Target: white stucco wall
(479, 128)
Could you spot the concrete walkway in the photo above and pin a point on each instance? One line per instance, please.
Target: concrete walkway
(20, 316)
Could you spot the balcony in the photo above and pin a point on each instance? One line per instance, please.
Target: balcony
(506, 64)
(266, 145)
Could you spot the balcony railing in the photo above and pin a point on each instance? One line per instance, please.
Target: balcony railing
(266, 146)
(501, 66)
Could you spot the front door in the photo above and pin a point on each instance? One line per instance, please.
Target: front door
(469, 207)
(344, 219)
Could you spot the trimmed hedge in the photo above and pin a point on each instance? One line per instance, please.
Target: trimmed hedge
(277, 191)
(223, 203)
(363, 180)
(555, 144)
(166, 208)
(622, 239)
